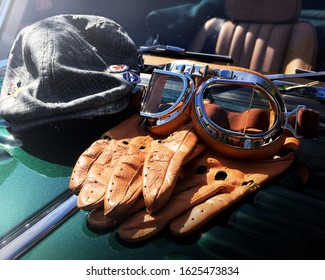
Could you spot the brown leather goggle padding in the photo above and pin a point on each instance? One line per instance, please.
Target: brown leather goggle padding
(257, 119)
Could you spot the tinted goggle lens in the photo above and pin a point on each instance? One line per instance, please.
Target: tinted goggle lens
(237, 109)
(164, 93)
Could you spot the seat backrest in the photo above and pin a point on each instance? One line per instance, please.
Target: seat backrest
(265, 36)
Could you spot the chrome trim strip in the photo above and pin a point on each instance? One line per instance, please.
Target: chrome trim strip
(27, 236)
(3, 67)
(3, 63)
(4, 11)
(312, 75)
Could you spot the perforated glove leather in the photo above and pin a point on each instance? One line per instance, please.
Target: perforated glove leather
(213, 183)
(112, 174)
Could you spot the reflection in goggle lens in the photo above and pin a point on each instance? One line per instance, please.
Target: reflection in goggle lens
(237, 108)
(164, 91)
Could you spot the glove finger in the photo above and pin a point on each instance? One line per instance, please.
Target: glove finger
(84, 163)
(95, 185)
(97, 219)
(125, 185)
(163, 165)
(92, 194)
(199, 148)
(193, 219)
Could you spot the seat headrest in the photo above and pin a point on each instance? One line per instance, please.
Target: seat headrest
(265, 11)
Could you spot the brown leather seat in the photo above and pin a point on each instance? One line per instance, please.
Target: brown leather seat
(264, 36)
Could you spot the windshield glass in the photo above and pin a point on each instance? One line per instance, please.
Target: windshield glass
(14, 15)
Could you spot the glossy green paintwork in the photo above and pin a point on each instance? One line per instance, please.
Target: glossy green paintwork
(27, 184)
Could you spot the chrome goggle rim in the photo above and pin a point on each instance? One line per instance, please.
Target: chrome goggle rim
(242, 139)
(174, 110)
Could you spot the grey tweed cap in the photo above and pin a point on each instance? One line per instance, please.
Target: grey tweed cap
(59, 69)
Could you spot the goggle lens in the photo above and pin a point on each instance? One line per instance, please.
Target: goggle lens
(163, 94)
(236, 108)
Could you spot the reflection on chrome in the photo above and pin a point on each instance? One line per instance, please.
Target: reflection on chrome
(7, 140)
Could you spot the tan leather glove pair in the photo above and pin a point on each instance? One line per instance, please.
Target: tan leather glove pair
(112, 173)
(145, 184)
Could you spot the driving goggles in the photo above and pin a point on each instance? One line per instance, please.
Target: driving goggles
(234, 111)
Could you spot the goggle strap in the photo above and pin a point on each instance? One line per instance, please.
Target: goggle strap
(308, 123)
